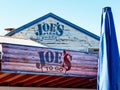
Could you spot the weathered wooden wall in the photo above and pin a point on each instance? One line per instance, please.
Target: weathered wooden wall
(37, 60)
(63, 36)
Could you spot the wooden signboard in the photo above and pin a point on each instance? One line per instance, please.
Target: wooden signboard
(47, 61)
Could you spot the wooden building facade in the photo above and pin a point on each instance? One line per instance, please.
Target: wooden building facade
(66, 58)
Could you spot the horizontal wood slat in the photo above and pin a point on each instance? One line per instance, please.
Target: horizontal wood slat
(48, 61)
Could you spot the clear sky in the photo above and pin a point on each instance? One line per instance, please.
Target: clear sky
(84, 13)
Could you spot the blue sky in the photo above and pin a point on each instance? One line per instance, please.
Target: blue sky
(84, 13)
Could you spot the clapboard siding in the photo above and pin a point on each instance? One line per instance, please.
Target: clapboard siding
(19, 59)
(20, 68)
(72, 38)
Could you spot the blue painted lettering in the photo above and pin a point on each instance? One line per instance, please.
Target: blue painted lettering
(50, 29)
(58, 57)
(50, 57)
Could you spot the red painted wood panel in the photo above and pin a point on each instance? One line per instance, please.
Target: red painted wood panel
(39, 60)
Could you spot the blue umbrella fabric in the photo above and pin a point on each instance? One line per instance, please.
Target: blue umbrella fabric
(108, 63)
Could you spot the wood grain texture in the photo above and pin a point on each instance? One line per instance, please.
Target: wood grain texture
(18, 58)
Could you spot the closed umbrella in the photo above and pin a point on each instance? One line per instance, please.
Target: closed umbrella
(108, 63)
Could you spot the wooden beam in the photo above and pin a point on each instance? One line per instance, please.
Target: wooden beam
(48, 80)
(84, 82)
(92, 83)
(71, 82)
(2, 75)
(15, 77)
(34, 80)
(60, 81)
(7, 77)
(23, 78)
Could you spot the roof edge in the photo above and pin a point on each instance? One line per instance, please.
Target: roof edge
(57, 18)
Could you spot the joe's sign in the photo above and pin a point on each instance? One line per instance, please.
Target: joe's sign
(39, 60)
(62, 59)
(49, 30)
